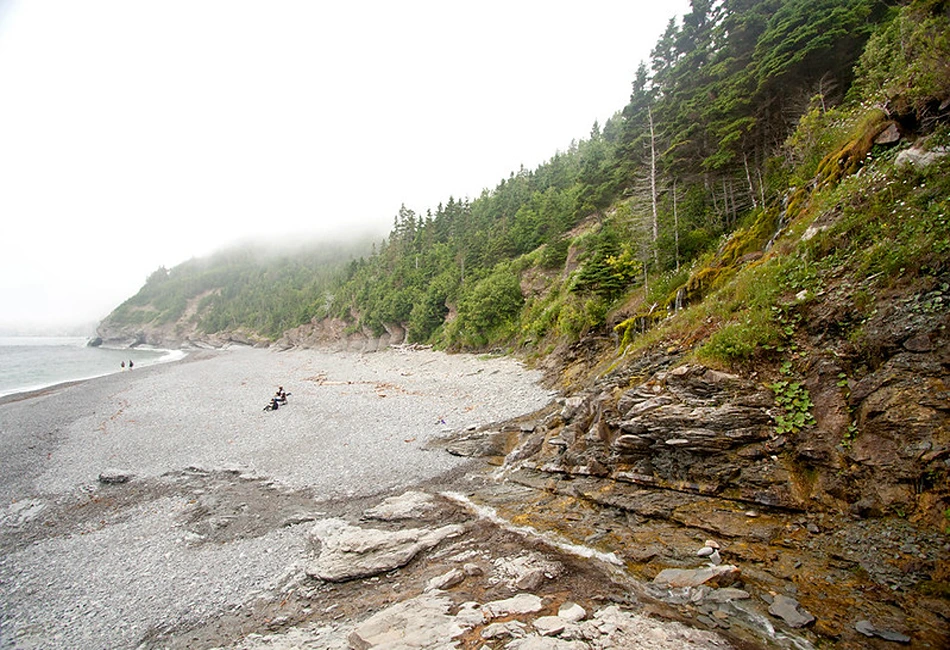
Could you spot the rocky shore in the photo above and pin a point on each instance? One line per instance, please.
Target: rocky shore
(665, 463)
(111, 489)
(409, 499)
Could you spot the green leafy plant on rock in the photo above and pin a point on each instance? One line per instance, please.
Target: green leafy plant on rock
(848, 439)
(795, 403)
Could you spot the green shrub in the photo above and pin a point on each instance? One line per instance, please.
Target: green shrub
(740, 340)
(554, 254)
(491, 306)
(571, 320)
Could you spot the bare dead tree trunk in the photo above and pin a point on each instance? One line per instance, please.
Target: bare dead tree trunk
(735, 205)
(725, 200)
(655, 223)
(748, 177)
(711, 189)
(676, 228)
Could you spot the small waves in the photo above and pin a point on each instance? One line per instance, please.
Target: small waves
(35, 363)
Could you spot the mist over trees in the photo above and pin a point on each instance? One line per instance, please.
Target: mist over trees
(711, 138)
(264, 289)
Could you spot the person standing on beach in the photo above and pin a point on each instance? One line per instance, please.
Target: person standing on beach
(123, 365)
(130, 364)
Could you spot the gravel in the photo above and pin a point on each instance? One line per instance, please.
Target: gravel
(94, 576)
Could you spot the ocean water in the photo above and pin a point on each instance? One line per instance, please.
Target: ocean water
(30, 363)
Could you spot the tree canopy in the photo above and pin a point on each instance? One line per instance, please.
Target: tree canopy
(702, 142)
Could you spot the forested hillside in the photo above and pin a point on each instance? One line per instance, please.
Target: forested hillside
(727, 124)
(702, 143)
(255, 291)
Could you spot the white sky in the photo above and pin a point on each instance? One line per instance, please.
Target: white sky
(135, 133)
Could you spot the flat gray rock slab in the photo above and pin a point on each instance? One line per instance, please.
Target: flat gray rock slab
(868, 629)
(409, 505)
(349, 552)
(421, 622)
(789, 610)
(714, 576)
(519, 604)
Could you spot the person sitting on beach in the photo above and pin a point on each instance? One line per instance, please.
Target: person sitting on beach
(274, 403)
(281, 395)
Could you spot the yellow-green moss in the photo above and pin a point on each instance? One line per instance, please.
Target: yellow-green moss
(849, 158)
(727, 260)
(638, 324)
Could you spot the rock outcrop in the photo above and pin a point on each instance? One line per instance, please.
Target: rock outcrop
(690, 429)
(335, 334)
(349, 552)
(840, 517)
(327, 334)
(175, 335)
(479, 598)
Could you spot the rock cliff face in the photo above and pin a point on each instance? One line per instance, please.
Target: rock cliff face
(335, 334)
(689, 428)
(325, 334)
(182, 333)
(847, 512)
(173, 336)
(875, 448)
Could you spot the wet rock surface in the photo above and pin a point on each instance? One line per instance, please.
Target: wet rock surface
(659, 509)
(790, 611)
(825, 527)
(480, 583)
(350, 552)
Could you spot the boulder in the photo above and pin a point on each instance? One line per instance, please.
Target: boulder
(410, 505)
(421, 622)
(448, 580)
(470, 614)
(526, 571)
(472, 569)
(531, 580)
(723, 575)
(510, 629)
(349, 552)
(572, 612)
(519, 604)
(790, 611)
(890, 135)
(114, 476)
(550, 625)
(919, 158)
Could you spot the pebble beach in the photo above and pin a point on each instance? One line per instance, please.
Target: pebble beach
(88, 564)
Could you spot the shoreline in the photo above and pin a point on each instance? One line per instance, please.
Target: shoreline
(134, 516)
(30, 393)
(20, 393)
(94, 563)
